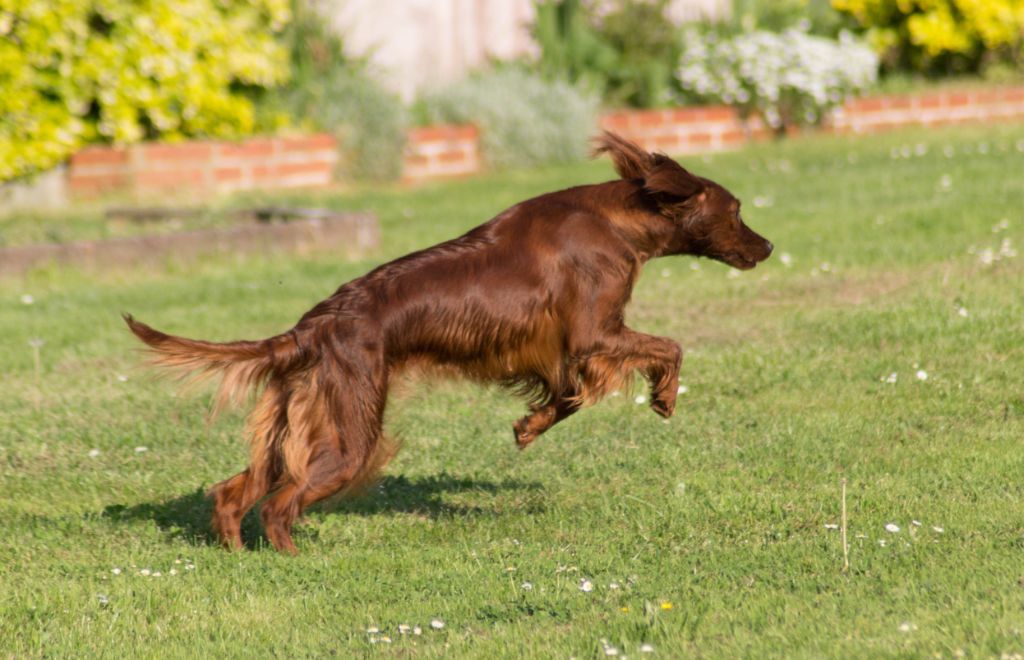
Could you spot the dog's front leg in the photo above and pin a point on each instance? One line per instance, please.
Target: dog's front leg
(663, 375)
(658, 358)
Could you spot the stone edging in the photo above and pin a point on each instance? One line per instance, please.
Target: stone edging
(353, 233)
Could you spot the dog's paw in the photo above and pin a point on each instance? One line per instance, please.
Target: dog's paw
(664, 407)
(523, 435)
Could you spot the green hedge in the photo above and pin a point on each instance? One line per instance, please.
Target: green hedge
(77, 71)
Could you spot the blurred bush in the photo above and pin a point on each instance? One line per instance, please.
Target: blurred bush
(570, 48)
(625, 50)
(942, 36)
(524, 119)
(328, 91)
(76, 71)
(790, 77)
(812, 16)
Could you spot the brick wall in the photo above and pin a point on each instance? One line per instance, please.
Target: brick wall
(435, 152)
(203, 167)
(935, 109)
(694, 130)
(682, 130)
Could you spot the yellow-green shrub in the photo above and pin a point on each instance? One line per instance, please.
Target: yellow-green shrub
(951, 33)
(76, 71)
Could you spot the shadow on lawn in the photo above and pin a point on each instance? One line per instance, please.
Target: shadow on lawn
(188, 517)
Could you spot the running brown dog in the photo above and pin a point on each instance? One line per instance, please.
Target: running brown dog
(533, 299)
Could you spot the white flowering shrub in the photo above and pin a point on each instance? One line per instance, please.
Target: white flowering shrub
(788, 77)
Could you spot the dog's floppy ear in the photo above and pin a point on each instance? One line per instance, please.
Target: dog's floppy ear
(662, 176)
(669, 178)
(631, 162)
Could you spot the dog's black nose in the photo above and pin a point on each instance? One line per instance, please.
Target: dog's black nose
(770, 248)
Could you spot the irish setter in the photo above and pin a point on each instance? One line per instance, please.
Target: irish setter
(533, 299)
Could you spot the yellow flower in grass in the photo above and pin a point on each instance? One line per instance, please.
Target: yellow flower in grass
(665, 605)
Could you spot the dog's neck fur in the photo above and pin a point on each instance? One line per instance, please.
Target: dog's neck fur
(644, 226)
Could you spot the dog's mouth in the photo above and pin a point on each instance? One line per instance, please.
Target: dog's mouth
(738, 261)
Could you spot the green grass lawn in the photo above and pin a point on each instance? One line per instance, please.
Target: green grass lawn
(708, 535)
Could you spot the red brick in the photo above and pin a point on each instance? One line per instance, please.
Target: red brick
(96, 183)
(867, 105)
(158, 179)
(686, 115)
(988, 97)
(155, 153)
(443, 132)
(250, 149)
(761, 133)
(99, 156)
(699, 138)
(932, 101)
(452, 156)
(415, 160)
(228, 174)
(718, 112)
(886, 125)
(958, 99)
(665, 143)
(648, 118)
(285, 169)
(309, 143)
(618, 121)
(1014, 94)
(732, 136)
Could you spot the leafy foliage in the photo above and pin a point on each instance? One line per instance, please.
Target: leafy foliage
(73, 71)
(570, 48)
(814, 16)
(648, 46)
(941, 35)
(524, 119)
(625, 51)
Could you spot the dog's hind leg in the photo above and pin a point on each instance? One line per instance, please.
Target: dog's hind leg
(542, 418)
(233, 497)
(335, 445)
(328, 472)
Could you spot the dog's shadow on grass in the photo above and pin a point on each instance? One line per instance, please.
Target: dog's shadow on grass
(187, 517)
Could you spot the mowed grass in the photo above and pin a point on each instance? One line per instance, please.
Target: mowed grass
(708, 535)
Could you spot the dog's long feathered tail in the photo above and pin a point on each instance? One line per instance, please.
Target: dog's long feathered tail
(242, 365)
(286, 411)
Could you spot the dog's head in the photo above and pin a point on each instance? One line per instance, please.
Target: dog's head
(706, 217)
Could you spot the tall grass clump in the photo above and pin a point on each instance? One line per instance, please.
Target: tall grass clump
(524, 120)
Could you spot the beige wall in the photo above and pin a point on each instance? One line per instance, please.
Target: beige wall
(419, 43)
